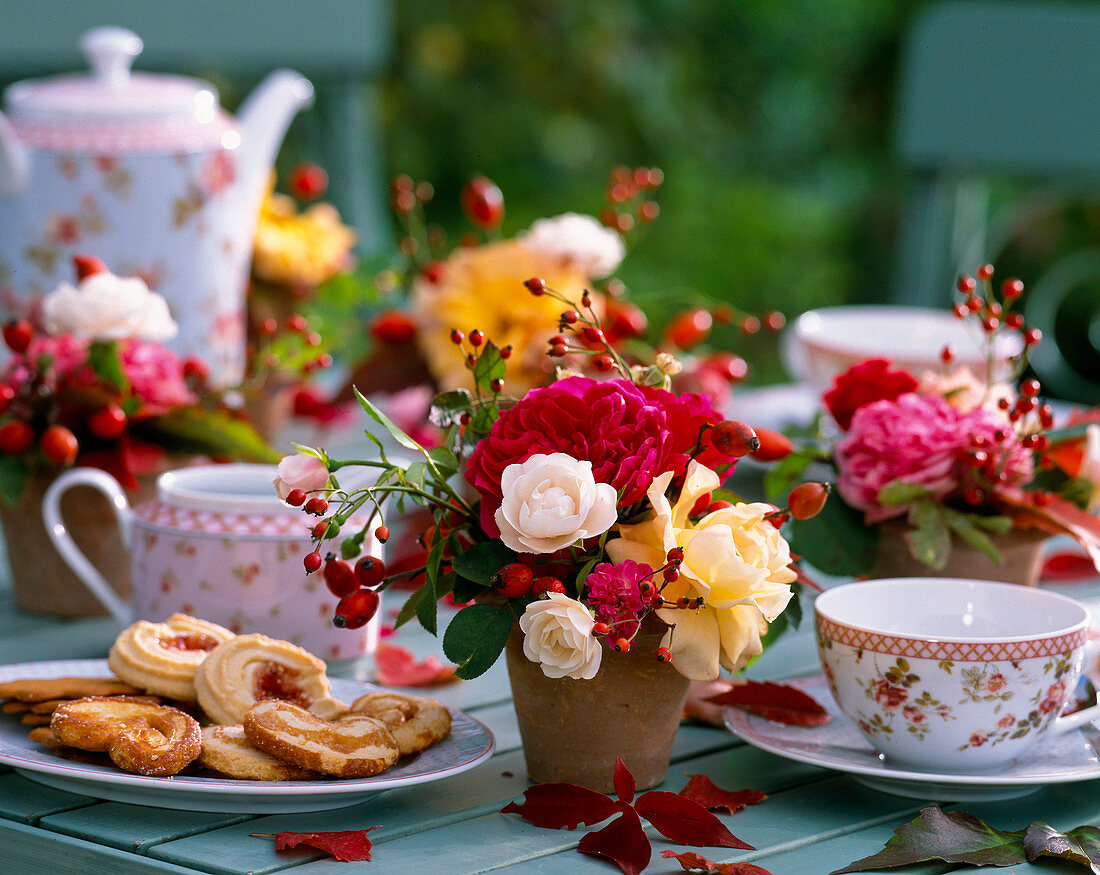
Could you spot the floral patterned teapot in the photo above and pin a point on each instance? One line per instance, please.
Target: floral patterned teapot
(147, 172)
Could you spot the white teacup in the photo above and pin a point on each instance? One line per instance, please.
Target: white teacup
(952, 675)
(217, 543)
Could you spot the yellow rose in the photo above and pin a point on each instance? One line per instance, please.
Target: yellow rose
(734, 559)
(300, 248)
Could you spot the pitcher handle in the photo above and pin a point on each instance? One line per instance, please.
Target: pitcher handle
(55, 527)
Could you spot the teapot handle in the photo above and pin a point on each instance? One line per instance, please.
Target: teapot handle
(55, 527)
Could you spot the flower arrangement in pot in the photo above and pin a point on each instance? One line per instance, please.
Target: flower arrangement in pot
(586, 522)
(89, 382)
(945, 473)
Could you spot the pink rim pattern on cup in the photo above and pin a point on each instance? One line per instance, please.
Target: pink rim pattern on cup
(953, 650)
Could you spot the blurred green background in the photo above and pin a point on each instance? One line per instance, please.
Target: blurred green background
(771, 120)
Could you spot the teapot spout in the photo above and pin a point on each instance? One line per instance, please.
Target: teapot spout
(264, 117)
(14, 161)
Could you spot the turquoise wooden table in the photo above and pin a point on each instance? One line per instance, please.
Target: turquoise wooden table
(813, 820)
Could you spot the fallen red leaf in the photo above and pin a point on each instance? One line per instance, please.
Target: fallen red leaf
(1067, 566)
(347, 846)
(622, 841)
(624, 782)
(394, 666)
(686, 822)
(558, 805)
(703, 790)
(781, 703)
(692, 861)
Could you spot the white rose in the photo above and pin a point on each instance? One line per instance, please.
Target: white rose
(108, 307)
(595, 250)
(552, 501)
(557, 634)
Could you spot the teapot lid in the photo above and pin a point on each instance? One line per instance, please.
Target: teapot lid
(173, 108)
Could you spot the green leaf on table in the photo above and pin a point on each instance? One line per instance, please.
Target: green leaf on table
(105, 364)
(898, 493)
(388, 424)
(482, 561)
(1081, 845)
(966, 527)
(952, 836)
(930, 539)
(490, 366)
(837, 541)
(209, 433)
(476, 636)
(15, 476)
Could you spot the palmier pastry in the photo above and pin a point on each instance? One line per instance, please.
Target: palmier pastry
(226, 749)
(415, 721)
(138, 736)
(251, 668)
(352, 746)
(42, 689)
(161, 658)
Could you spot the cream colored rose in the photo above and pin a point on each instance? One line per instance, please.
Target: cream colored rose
(557, 634)
(734, 559)
(552, 501)
(108, 307)
(962, 389)
(594, 250)
(300, 471)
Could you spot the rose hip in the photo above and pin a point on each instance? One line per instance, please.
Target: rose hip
(340, 578)
(513, 580)
(733, 438)
(370, 571)
(807, 499)
(355, 610)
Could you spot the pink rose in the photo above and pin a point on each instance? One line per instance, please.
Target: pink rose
(913, 438)
(996, 683)
(978, 739)
(913, 715)
(1006, 722)
(300, 471)
(155, 374)
(889, 696)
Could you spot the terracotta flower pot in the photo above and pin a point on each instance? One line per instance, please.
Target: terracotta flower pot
(1021, 551)
(573, 730)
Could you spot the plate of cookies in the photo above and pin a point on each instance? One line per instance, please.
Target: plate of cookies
(185, 714)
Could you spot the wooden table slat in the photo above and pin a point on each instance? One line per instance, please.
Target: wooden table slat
(27, 801)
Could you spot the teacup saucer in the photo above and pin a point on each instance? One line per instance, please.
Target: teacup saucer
(838, 745)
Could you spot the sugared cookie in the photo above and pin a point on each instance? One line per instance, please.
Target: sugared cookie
(416, 722)
(226, 749)
(161, 658)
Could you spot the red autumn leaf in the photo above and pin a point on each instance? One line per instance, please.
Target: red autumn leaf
(623, 841)
(781, 703)
(624, 782)
(557, 805)
(347, 846)
(686, 822)
(395, 666)
(1067, 566)
(692, 861)
(703, 790)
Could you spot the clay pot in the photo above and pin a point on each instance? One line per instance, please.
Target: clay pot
(573, 730)
(1021, 551)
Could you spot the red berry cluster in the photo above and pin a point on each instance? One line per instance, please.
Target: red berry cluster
(294, 347)
(994, 312)
(691, 327)
(478, 340)
(588, 336)
(630, 198)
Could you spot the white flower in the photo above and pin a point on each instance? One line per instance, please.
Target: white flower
(108, 307)
(300, 471)
(595, 250)
(557, 634)
(552, 501)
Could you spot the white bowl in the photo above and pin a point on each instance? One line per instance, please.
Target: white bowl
(820, 344)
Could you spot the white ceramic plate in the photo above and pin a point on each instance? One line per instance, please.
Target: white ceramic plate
(469, 744)
(839, 745)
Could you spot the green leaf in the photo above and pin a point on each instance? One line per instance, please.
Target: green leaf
(930, 539)
(999, 525)
(387, 423)
(15, 476)
(950, 836)
(465, 590)
(416, 474)
(209, 433)
(482, 561)
(781, 477)
(964, 525)
(793, 610)
(483, 419)
(105, 363)
(448, 407)
(428, 604)
(898, 493)
(476, 637)
(490, 366)
(445, 461)
(836, 540)
(1081, 845)
(408, 610)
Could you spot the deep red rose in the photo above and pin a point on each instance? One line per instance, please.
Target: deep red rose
(862, 383)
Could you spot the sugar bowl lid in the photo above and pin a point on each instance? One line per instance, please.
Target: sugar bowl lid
(111, 92)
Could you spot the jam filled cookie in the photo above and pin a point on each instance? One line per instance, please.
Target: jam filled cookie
(352, 746)
(161, 658)
(252, 668)
(226, 749)
(139, 737)
(415, 721)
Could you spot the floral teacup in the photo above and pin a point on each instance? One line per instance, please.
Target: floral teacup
(952, 675)
(217, 543)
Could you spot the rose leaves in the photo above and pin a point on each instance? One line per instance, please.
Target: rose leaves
(781, 703)
(675, 816)
(347, 846)
(395, 666)
(703, 790)
(693, 862)
(955, 837)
